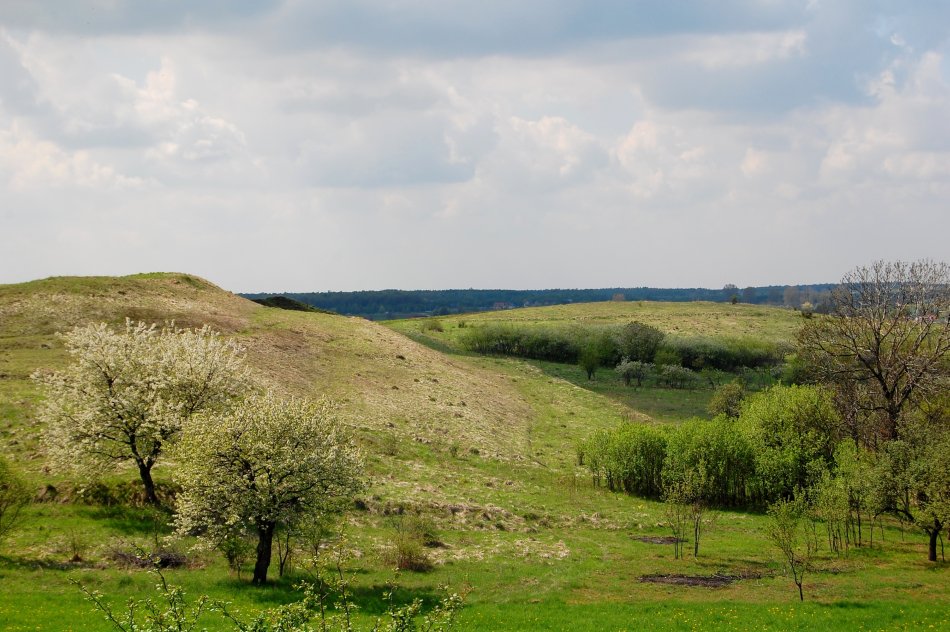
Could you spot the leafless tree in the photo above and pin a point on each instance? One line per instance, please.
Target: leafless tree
(886, 343)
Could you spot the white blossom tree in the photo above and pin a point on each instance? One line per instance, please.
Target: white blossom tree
(269, 464)
(126, 394)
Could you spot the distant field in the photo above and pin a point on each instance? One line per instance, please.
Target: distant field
(772, 324)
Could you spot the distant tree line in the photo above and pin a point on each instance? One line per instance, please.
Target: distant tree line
(385, 304)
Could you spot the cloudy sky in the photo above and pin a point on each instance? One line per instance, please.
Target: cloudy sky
(358, 144)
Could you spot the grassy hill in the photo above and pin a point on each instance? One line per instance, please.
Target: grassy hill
(383, 377)
(483, 447)
(715, 320)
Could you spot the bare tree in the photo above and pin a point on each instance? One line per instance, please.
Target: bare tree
(792, 297)
(677, 514)
(886, 342)
(687, 508)
(788, 530)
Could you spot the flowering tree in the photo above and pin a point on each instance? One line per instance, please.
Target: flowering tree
(127, 393)
(267, 465)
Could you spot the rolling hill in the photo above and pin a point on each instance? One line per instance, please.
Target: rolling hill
(483, 447)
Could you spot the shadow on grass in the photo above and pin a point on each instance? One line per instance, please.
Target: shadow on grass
(133, 521)
(438, 345)
(660, 402)
(844, 605)
(367, 599)
(21, 563)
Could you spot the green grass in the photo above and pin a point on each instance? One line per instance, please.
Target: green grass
(485, 446)
(581, 574)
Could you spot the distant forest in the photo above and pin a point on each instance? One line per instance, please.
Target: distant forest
(388, 304)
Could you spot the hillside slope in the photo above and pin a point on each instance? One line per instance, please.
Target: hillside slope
(386, 382)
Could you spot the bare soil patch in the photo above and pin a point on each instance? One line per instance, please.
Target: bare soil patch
(707, 581)
(657, 539)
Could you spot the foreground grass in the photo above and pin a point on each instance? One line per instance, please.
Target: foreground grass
(580, 572)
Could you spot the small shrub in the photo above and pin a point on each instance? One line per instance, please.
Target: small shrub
(638, 341)
(788, 530)
(727, 400)
(408, 553)
(412, 534)
(678, 377)
(432, 325)
(14, 496)
(421, 527)
(237, 550)
(73, 545)
(630, 370)
(667, 356)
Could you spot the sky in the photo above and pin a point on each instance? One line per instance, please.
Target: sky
(299, 145)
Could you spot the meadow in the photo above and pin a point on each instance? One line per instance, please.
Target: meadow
(484, 447)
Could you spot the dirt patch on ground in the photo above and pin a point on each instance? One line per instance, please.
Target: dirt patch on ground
(657, 539)
(707, 581)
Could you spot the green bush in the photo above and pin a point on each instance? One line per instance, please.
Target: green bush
(408, 553)
(609, 344)
(638, 341)
(726, 354)
(727, 400)
(537, 343)
(14, 496)
(793, 431)
(628, 459)
(722, 458)
(667, 356)
(678, 377)
(412, 533)
(784, 439)
(431, 324)
(630, 370)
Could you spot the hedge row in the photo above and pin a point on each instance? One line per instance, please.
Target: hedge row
(612, 343)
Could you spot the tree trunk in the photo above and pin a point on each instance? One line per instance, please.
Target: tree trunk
(145, 472)
(932, 551)
(265, 538)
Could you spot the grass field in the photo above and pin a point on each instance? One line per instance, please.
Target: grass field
(484, 446)
(714, 320)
